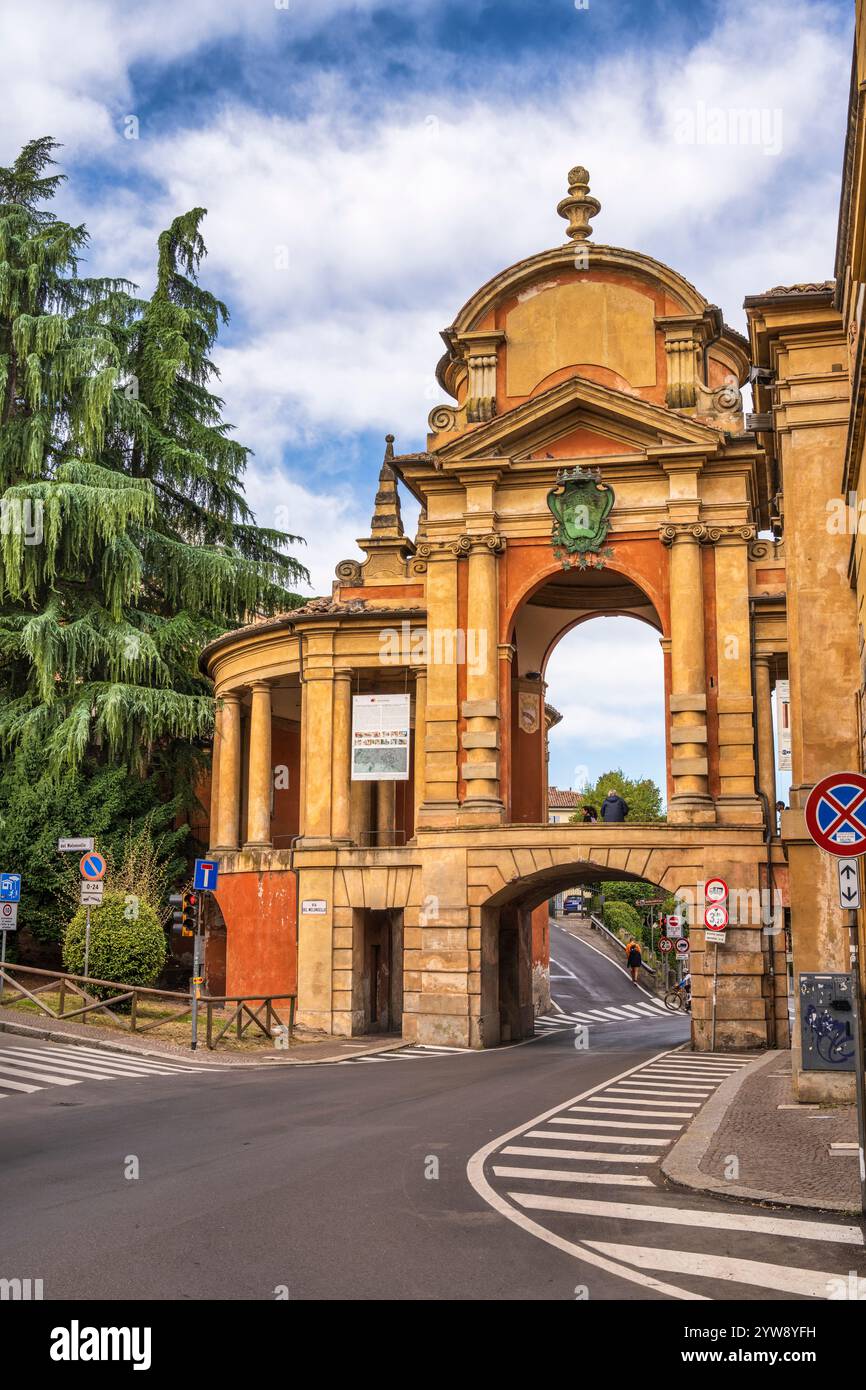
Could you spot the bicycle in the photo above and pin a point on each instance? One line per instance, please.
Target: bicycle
(679, 998)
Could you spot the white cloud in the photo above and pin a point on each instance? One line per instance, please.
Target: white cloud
(331, 520)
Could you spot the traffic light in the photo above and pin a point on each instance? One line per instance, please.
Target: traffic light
(183, 910)
(187, 913)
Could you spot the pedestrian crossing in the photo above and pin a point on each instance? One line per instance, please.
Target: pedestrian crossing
(585, 1177)
(25, 1070)
(546, 1023)
(638, 1012)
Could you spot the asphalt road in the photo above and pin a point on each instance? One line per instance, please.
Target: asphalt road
(350, 1181)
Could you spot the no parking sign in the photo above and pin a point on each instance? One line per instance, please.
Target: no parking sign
(836, 814)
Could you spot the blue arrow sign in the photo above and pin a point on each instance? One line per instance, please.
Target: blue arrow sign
(10, 888)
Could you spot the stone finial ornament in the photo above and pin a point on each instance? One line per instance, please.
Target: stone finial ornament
(579, 206)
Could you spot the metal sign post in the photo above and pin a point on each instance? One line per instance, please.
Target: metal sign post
(195, 983)
(835, 814)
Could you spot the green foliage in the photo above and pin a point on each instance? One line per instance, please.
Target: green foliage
(127, 943)
(115, 455)
(116, 807)
(643, 797)
(622, 918)
(625, 892)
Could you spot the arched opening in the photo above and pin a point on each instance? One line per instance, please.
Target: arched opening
(508, 988)
(552, 640)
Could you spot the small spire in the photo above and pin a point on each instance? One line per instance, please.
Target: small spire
(386, 520)
(579, 206)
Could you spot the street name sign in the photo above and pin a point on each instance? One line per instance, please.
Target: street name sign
(72, 845)
(836, 814)
(10, 888)
(849, 884)
(8, 916)
(313, 907)
(92, 866)
(91, 892)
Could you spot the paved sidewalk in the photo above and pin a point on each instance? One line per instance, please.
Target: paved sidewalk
(782, 1155)
(301, 1053)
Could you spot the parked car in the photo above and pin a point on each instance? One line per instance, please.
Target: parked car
(572, 903)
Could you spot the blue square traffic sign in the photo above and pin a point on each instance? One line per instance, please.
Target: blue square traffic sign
(206, 874)
(10, 888)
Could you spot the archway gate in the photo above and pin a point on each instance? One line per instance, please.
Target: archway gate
(594, 461)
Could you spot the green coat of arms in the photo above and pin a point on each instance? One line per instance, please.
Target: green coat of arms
(581, 504)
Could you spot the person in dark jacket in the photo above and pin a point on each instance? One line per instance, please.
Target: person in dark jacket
(613, 808)
(590, 814)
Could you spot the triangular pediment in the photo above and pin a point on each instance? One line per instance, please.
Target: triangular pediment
(590, 413)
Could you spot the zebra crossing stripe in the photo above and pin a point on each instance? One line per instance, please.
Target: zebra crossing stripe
(561, 1175)
(808, 1283)
(36, 1075)
(595, 1138)
(679, 1216)
(66, 1064)
(583, 1155)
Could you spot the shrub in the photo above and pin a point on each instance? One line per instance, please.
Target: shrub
(127, 943)
(623, 919)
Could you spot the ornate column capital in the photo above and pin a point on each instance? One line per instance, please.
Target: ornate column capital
(698, 531)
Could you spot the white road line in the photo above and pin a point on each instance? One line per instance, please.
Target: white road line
(619, 1013)
(637, 1010)
(704, 1072)
(560, 1175)
(475, 1173)
(628, 1110)
(566, 973)
(64, 1064)
(649, 1107)
(593, 1138)
(17, 1085)
(102, 1060)
(584, 1155)
(680, 1216)
(811, 1283)
(687, 1094)
(675, 1088)
(39, 1076)
(611, 1124)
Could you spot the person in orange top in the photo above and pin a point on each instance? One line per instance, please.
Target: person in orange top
(633, 959)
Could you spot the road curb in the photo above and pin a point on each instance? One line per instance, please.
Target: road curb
(207, 1059)
(682, 1164)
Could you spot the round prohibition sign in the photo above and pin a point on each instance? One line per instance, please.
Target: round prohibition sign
(92, 866)
(716, 917)
(715, 890)
(836, 814)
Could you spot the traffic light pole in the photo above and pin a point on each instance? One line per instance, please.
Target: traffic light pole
(197, 958)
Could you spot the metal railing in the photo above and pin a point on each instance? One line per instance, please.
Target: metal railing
(247, 1012)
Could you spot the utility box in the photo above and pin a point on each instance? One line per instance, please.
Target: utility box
(827, 1040)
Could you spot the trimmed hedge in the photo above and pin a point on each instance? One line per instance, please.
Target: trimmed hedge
(624, 919)
(127, 942)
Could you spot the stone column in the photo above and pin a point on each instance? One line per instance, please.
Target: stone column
(737, 803)
(691, 800)
(764, 724)
(386, 813)
(420, 739)
(213, 828)
(260, 774)
(480, 740)
(317, 724)
(359, 813)
(440, 794)
(228, 816)
(340, 767)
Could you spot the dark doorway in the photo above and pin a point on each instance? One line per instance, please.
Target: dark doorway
(383, 971)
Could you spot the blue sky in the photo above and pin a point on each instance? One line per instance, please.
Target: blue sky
(367, 165)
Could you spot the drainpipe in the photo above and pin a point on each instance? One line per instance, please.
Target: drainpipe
(769, 826)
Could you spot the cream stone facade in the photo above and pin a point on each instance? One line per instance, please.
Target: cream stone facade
(420, 906)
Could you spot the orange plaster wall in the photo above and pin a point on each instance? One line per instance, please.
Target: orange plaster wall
(662, 303)
(541, 935)
(260, 913)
